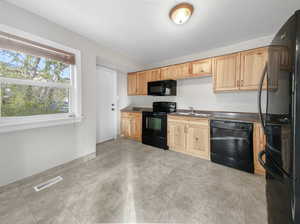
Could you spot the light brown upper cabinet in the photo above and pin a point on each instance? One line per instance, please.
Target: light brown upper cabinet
(252, 66)
(142, 87)
(132, 84)
(183, 70)
(243, 71)
(202, 67)
(226, 72)
(153, 75)
(166, 73)
(232, 72)
(175, 72)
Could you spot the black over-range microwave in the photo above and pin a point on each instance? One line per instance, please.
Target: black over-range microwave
(162, 88)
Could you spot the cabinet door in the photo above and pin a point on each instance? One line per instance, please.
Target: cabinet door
(125, 127)
(175, 72)
(153, 75)
(226, 72)
(202, 67)
(132, 84)
(136, 127)
(198, 140)
(259, 141)
(252, 66)
(182, 71)
(142, 83)
(177, 136)
(166, 73)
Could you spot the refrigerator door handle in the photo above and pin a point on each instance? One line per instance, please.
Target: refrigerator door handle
(278, 166)
(261, 83)
(263, 164)
(271, 148)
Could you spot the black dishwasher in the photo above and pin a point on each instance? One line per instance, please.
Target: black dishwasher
(232, 144)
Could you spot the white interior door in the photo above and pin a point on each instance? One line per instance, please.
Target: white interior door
(106, 104)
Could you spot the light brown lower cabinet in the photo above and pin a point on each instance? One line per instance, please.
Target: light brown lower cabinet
(131, 125)
(177, 135)
(259, 141)
(189, 135)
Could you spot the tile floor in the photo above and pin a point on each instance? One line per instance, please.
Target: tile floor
(130, 182)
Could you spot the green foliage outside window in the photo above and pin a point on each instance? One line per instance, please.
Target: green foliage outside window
(26, 100)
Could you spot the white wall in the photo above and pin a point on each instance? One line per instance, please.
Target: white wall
(25, 153)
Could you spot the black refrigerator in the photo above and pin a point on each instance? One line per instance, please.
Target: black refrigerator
(279, 109)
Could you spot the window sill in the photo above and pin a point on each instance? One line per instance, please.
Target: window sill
(25, 124)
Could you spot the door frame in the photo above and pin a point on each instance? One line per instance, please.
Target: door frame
(98, 66)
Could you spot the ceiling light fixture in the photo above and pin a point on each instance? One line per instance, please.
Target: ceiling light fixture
(181, 13)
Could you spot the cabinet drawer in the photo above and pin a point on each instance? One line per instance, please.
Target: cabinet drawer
(130, 114)
(175, 118)
(198, 120)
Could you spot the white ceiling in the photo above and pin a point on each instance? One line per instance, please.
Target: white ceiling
(142, 30)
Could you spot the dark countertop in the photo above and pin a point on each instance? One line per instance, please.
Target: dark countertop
(136, 109)
(212, 115)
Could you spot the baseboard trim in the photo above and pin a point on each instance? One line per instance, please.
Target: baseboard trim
(55, 170)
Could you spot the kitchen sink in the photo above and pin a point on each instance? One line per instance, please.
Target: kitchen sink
(184, 113)
(193, 114)
(201, 115)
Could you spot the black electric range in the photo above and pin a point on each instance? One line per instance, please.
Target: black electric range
(155, 124)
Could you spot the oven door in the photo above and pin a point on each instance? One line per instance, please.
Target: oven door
(155, 124)
(155, 129)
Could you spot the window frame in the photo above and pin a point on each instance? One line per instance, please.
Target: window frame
(8, 124)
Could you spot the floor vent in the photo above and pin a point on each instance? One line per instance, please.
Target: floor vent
(48, 183)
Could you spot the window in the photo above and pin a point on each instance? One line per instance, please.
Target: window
(37, 81)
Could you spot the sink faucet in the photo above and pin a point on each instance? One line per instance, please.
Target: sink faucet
(192, 110)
